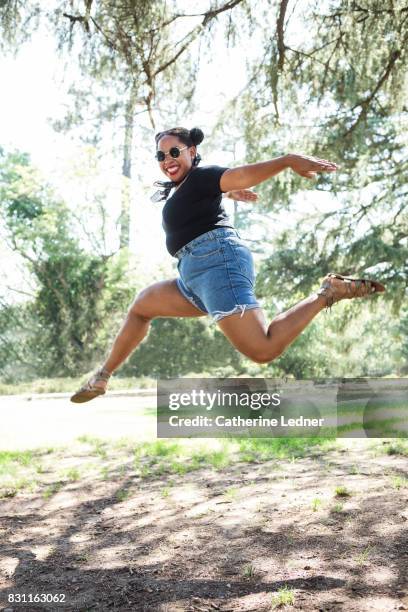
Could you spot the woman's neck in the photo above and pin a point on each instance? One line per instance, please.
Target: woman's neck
(180, 184)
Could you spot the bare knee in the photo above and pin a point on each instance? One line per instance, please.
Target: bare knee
(140, 307)
(265, 355)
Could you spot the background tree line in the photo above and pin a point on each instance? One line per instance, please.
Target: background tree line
(338, 93)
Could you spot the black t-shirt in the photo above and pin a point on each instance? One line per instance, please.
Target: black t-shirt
(194, 208)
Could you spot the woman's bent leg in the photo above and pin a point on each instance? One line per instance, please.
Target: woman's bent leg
(251, 335)
(162, 299)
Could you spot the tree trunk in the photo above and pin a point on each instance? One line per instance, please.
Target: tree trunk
(124, 219)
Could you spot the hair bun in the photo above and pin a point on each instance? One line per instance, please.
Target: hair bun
(196, 135)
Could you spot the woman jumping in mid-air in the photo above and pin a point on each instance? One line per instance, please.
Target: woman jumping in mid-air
(216, 270)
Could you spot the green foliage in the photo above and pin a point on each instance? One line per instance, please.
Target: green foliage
(403, 336)
(75, 289)
(336, 93)
(353, 339)
(81, 298)
(16, 24)
(176, 347)
(70, 309)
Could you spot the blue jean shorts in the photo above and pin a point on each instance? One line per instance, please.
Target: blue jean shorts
(217, 273)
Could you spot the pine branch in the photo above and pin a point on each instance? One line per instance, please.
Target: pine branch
(77, 19)
(365, 104)
(31, 295)
(211, 14)
(192, 35)
(111, 44)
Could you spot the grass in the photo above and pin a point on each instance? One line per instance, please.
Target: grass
(397, 447)
(264, 449)
(105, 473)
(105, 460)
(231, 493)
(284, 597)
(19, 470)
(122, 494)
(73, 474)
(21, 457)
(52, 489)
(99, 446)
(30, 470)
(177, 457)
(342, 491)
(399, 482)
(249, 571)
(337, 508)
(151, 460)
(68, 385)
(316, 503)
(385, 428)
(362, 558)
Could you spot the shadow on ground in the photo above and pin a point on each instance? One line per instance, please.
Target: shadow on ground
(217, 540)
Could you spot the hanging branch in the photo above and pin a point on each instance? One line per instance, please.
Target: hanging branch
(365, 104)
(280, 34)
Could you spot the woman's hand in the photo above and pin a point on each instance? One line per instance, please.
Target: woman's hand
(242, 195)
(308, 166)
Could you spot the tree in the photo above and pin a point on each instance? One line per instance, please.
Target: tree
(177, 347)
(338, 94)
(38, 227)
(79, 298)
(125, 52)
(328, 80)
(403, 332)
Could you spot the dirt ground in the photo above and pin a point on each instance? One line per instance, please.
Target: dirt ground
(218, 540)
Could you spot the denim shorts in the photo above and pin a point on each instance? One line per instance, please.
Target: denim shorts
(217, 273)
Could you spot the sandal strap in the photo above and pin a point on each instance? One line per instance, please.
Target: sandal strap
(102, 374)
(363, 287)
(326, 290)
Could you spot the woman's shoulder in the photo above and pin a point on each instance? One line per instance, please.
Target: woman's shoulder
(206, 179)
(209, 168)
(208, 173)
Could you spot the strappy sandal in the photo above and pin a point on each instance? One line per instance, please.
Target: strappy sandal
(89, 391)
(351, 288)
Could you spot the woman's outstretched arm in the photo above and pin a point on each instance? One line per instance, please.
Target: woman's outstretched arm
(253, 174)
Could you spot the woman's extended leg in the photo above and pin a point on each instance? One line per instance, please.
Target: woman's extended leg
(251, 335)
(162, 299)
(262, 343)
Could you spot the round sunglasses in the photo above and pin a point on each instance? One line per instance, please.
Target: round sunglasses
(174, 153)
